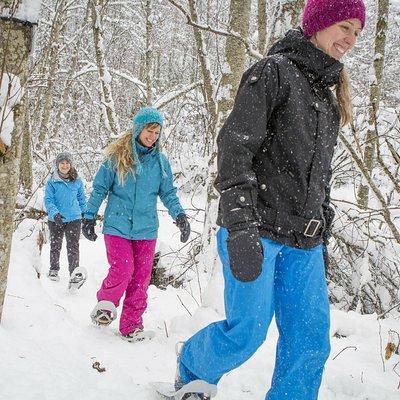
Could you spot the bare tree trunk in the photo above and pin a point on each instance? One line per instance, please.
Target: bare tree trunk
(148, 55)
(262, 25)
(26, 178)
(15, 46)
(235, 51)
(51, 67)
(107, 101)
(286, 15)
(371, 141)
(208, 90)
(73, 67)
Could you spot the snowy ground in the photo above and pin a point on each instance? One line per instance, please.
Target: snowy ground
(48, 345)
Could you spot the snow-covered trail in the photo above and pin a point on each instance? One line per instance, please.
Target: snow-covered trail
(48, 344)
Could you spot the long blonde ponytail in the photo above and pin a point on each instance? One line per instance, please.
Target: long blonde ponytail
(344, 98)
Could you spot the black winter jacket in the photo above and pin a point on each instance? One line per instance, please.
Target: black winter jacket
(276, 146)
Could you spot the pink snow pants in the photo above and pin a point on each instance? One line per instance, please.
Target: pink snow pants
(131, 262)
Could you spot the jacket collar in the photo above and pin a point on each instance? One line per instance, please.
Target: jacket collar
(56, 176)
(143, 150)
(319, 67)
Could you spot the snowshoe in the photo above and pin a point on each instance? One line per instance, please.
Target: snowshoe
(53, 275)
(138, 335)
(103, 313)
(78, 278)
(194, 390)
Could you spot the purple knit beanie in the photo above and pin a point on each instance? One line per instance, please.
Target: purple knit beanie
(319, 14)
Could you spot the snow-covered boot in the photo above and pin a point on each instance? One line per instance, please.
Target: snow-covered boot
(103, 313)
(138, 335)
(53, 275)
(78, 278)
(195, 390)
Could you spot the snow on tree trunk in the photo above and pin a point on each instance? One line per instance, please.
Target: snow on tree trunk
(148, 55)
(51, 68)
(26, 178)
(236, 55)
(235, 52)
(107, 101)
(371, 140)
(15, 46)
(208, 79)
(286, 15)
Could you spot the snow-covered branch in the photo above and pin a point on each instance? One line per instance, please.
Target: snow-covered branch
(167, 98)
(249, 48)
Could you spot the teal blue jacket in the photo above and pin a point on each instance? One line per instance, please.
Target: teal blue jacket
(131, 210)
(66, 198)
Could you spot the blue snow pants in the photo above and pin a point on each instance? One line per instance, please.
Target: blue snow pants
(292, 285)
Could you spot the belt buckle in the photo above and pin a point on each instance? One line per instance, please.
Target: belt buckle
(310, 226)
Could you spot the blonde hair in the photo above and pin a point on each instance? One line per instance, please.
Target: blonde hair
(344, 98)
(120, 154)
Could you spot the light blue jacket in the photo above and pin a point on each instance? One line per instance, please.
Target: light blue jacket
(66, 198)
(131, 210)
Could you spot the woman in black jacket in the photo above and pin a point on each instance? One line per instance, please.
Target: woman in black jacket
(274, 156)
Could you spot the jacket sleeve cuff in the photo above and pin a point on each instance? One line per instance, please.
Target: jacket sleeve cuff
(238, 208)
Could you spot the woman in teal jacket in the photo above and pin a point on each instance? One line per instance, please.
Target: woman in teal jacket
(65, 202)
(134, 174)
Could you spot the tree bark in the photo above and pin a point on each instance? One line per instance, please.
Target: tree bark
(148, 55)
(236, 56)
(235, 52)
(15, 46)
(51, 68)
(371, 141)
(286, 16)
(208, 90)
(107, 100)
(262, 25)
(26, 178)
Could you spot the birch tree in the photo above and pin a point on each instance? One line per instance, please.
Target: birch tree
(236, 57)
(235, 53)
(97, 8)
(15, 46)
(148, 52)
(51, 68)
(285, 15)
(262, 25)
(371, 140)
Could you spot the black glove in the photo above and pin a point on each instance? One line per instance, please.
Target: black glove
(183, 224)
(88, 229)
(329, 216)
(58, 220)
(245, 253)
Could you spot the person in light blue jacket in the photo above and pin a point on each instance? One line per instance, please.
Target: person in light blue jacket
(133, 176)
(65, 203)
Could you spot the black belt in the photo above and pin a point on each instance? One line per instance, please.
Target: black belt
(287, 223)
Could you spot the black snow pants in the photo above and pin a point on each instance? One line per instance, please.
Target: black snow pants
(72, 232)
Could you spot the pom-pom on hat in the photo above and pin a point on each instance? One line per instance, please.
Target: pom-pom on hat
(320, 14)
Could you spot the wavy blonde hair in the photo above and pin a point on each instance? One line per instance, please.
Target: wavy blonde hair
(120, 155)
(344, 98)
